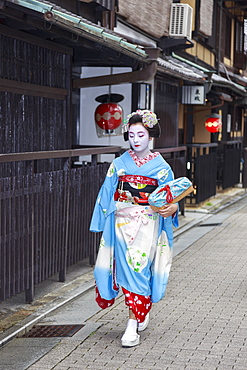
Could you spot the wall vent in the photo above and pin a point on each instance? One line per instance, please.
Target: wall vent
(181, 21)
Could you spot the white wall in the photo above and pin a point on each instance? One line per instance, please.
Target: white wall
(88, 104)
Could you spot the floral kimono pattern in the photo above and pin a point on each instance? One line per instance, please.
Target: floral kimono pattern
(135, 251)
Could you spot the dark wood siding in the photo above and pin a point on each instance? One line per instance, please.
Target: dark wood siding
(34, 101)
(166, 108)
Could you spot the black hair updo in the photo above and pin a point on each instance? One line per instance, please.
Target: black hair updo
(137, 118)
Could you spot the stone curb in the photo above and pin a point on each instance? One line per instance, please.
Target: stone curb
(25, 325)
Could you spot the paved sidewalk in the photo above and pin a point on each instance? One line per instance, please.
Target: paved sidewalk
(201, 323)
(16, 316)
(187, 322)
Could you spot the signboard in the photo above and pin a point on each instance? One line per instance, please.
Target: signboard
(193, 95)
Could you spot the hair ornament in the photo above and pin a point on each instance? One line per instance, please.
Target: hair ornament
(125, 126)
(149, 119)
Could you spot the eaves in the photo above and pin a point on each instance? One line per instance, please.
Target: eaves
(178, 70)
(224, 82)
(81, 27)
(211, 76)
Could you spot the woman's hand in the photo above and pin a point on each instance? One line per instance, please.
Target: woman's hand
(168, 210)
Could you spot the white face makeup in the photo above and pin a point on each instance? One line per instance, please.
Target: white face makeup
(139, 139)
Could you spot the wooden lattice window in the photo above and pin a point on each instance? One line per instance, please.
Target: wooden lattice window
(239, 54)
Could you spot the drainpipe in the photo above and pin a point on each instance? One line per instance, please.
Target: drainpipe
(220, 34)
(208, 107)
(178, 57)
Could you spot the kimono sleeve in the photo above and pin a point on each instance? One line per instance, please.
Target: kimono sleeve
(105, 203)
(166, 175)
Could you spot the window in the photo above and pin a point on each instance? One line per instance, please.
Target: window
(228, 33)
(239, 54)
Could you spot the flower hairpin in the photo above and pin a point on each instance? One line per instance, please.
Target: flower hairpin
(149, 119)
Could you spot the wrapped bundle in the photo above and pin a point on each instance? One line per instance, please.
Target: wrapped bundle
(171, 192)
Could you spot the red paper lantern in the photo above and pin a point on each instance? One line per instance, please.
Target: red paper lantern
(213, 123)
(108, 116)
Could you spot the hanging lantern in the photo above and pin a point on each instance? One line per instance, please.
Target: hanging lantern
(213, 123)
(108, 115)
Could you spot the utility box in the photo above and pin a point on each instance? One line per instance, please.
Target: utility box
(181, 21)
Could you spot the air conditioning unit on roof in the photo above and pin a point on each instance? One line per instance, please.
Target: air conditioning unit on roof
(181, 21)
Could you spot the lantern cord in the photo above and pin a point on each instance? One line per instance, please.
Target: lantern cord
(109, 88)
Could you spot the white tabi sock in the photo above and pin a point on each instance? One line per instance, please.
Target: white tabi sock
(131, 328)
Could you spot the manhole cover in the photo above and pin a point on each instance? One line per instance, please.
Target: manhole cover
(49, 331)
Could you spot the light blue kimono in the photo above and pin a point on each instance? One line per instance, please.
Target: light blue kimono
(116, 257)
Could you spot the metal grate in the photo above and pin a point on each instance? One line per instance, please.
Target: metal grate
(50, 331)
